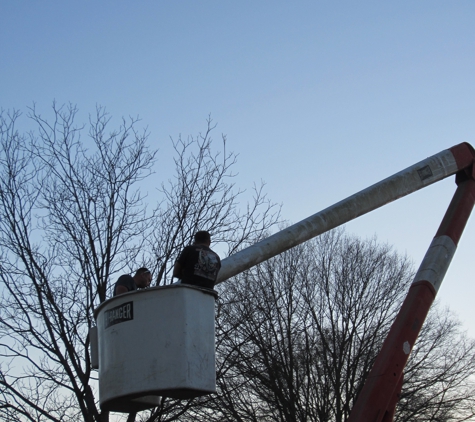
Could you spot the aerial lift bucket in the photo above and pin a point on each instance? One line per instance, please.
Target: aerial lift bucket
(154, 343)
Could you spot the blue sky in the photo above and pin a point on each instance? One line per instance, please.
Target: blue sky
(320, 99)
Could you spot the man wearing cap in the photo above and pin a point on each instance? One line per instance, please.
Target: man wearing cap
(127, 283)
(197, 264)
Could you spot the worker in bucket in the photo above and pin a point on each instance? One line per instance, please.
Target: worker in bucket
(197, 264)
(127, 283)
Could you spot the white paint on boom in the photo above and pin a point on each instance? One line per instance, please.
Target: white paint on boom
(436, 261)
(422, 174)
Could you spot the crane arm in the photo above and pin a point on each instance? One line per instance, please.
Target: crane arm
(378, 398)
(418, 176)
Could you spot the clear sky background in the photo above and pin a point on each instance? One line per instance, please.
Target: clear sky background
(320, 99)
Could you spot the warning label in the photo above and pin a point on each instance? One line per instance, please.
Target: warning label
(122, 313)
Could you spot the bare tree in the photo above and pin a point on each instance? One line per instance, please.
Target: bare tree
(438, 381)
(203, 194)
(297, 336)
(72, 217)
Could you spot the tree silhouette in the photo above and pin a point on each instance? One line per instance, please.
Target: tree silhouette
(72, 218)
